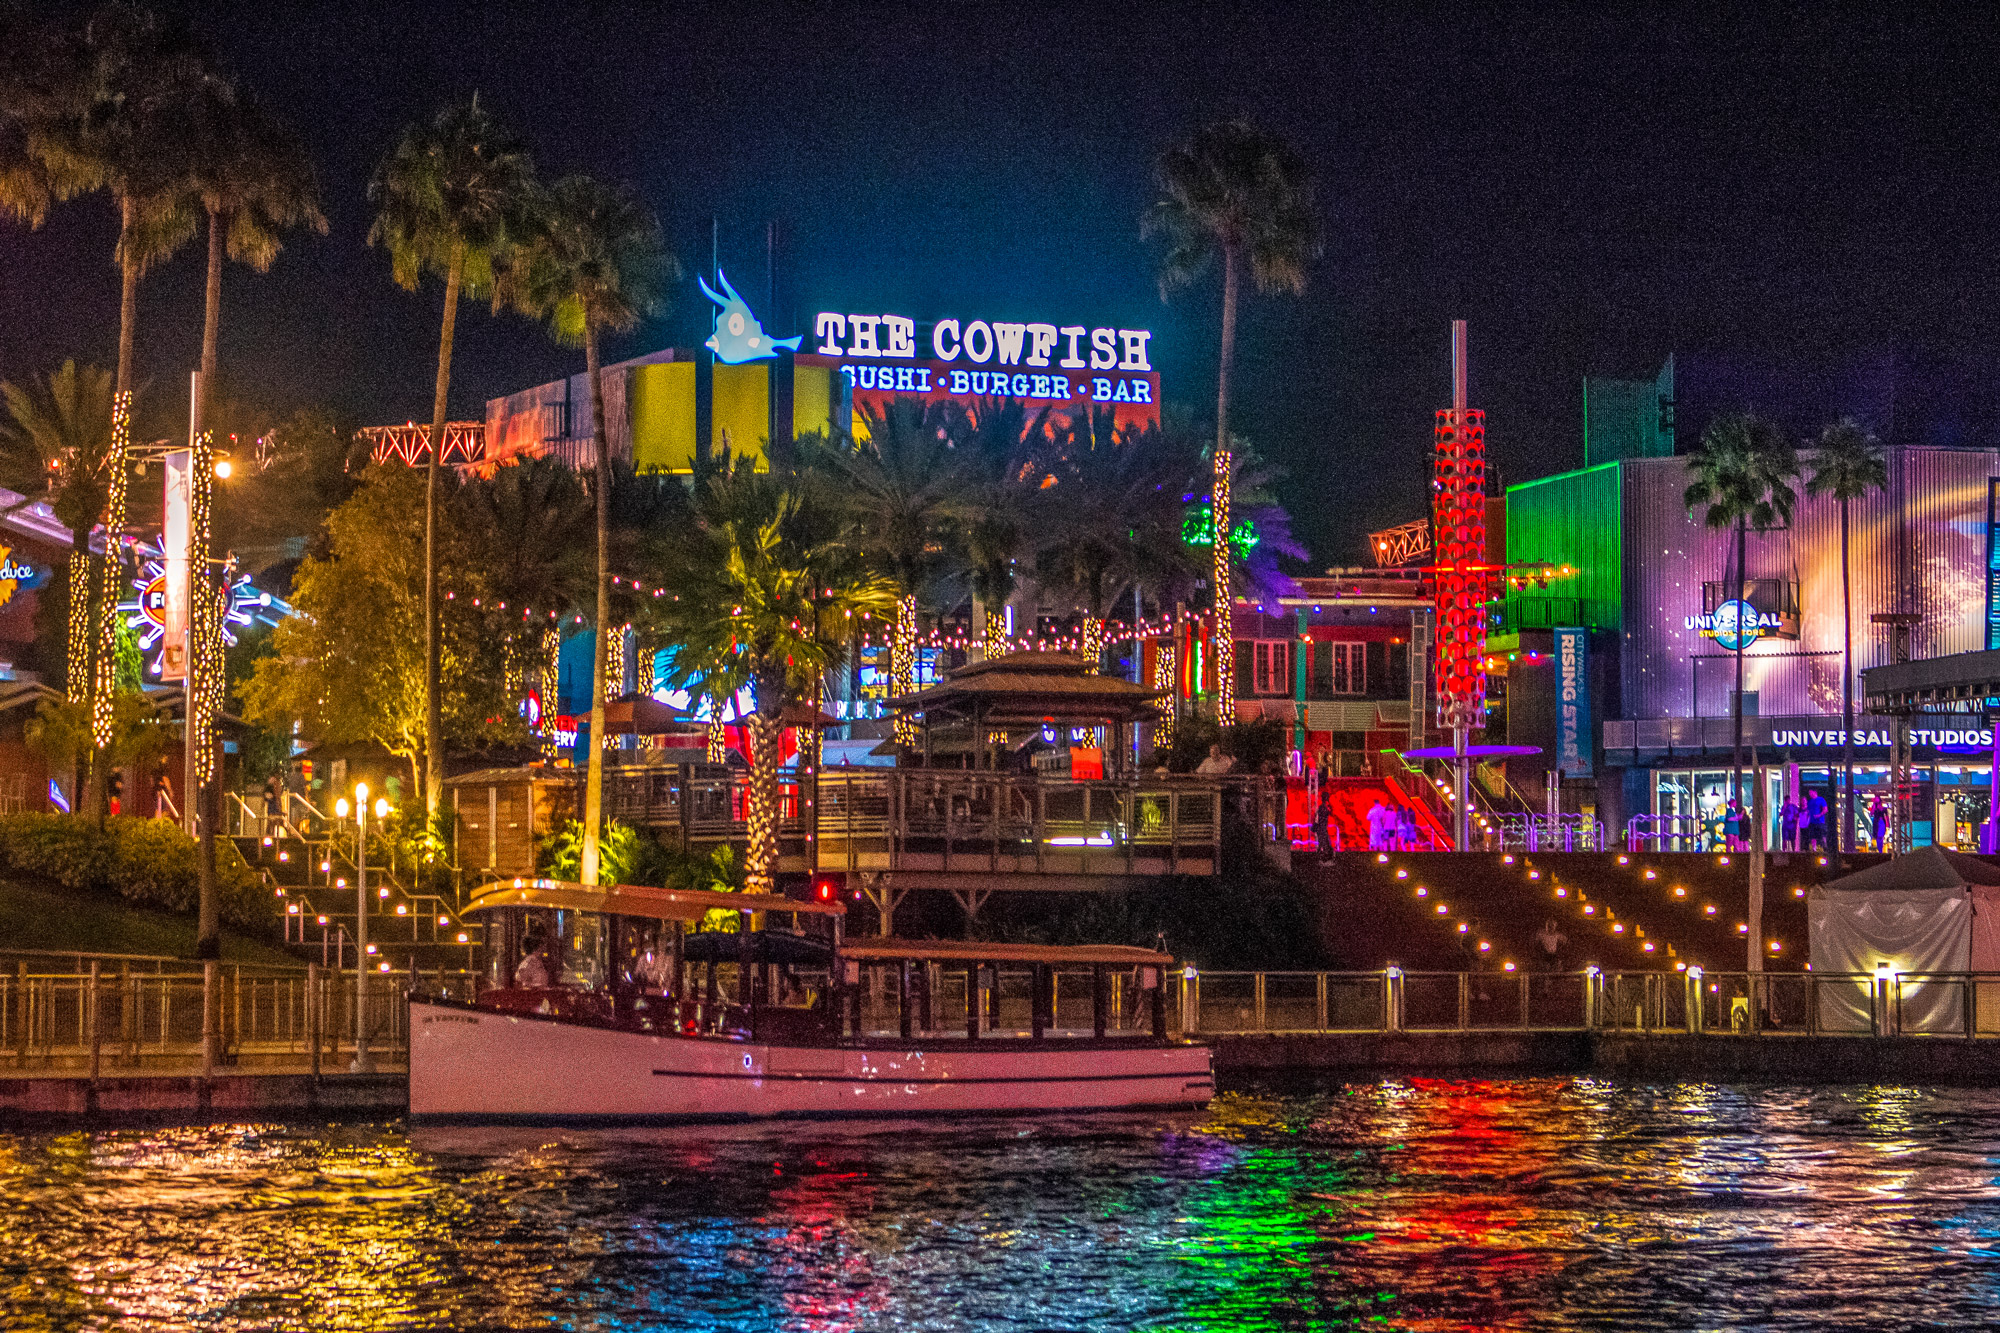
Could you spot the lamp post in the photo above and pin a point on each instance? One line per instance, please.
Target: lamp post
(364, 1063)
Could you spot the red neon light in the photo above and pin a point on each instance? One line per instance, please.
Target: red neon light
(1459, 524)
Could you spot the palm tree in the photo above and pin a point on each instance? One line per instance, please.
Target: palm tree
(1742, 473)
(1847, 465)
(452, 196)
(57, 447)
(765, 591)
(1244, 192)
(253, 180)
(596, 261)
(108, 107)
(1005, 454)
(896, 488)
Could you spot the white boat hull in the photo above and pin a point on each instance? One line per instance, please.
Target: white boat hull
(473, 1064)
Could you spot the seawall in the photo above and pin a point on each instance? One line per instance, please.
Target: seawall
(1667, 1056)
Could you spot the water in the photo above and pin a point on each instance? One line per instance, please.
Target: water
(1414, 1204)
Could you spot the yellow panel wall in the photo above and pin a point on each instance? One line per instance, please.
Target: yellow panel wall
(812, 400)
(661, 409)
(742, 407)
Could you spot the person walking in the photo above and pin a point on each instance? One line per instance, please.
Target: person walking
(1878, 821)
(1378, 835)
(1406, 829)
(1815, 816)
(1323, 824)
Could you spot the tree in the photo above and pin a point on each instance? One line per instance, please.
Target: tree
(895, 488)
(453, 197)
(1847, 465)
(348, 666)
(253, 181)
(524, 580)
(1242, 192)
(1741, 475)
(764, 593)
(998, 502)
(107, 106)
(597, 261)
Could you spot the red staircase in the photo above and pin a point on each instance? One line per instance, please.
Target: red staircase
(1351, 798)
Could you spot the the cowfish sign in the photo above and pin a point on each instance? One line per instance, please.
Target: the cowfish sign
(1067, 367)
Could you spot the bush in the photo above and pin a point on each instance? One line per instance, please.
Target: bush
(147, 862)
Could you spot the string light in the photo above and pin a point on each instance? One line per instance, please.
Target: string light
(1225, 599)
(1164, 664)
(105, 676)
(1093, 642)
(903, 666)
(205, 613)
(994, 641)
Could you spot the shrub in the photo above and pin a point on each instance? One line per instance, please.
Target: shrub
(147, 862)
(72, 852)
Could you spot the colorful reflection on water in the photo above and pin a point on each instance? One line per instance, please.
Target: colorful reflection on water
(1414, 1204)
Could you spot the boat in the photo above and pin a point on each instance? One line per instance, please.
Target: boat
(598, 1004)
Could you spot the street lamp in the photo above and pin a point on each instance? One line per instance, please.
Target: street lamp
(364, 1063)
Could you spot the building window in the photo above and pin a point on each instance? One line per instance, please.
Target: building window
(1272, 673)
(1349, 662)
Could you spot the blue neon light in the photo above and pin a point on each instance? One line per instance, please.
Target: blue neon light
(738, 337)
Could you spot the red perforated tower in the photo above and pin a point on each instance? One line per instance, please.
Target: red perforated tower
(1458, 514)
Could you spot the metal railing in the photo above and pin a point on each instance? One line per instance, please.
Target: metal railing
(941, 820)
(1550, 833)
(1775, 1004)
(146, 1015)
(1663, 833)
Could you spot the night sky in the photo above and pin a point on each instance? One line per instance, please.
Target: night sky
(1591, 192)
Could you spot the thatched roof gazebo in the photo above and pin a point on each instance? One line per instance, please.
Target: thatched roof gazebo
(1029, 690)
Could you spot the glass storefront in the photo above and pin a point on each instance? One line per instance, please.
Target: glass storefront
(1950, 801)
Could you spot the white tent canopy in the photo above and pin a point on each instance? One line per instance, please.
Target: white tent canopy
(1932, 911)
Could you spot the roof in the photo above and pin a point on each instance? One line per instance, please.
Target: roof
(1924, 868)
(1029, 687)
(636, 900)
(24, 694)
(980, 951)
(494, 777)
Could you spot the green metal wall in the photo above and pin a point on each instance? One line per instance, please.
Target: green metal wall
(1572, 519)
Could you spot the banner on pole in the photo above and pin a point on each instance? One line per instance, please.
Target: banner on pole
(1573, 749)
(175, 592)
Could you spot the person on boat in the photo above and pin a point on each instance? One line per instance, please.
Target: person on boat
(532, 972)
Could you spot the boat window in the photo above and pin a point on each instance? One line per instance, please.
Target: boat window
(580, 938)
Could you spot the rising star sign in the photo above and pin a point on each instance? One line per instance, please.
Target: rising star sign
(738, 337)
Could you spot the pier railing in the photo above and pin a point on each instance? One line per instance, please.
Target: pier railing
(110, 1017)
(1776, 1004)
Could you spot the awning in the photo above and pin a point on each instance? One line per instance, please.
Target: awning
(636, 900)
(764, 946)
(976, 951)
(643, 715)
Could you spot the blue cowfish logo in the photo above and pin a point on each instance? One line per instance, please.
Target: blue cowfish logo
(738, 336)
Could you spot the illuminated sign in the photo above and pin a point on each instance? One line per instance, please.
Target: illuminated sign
(738, 337)
(1573, 758)
(875, 337)
(1064, 367)
(15, 575)
(1966, 739)
(1737, 624)
(146, 611)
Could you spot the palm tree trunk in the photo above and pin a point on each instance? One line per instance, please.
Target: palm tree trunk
(1736, 704)
(128, 295)
(433, 686)
(1219, 527)
(211, 316)
(1846, 811)
(208, 917)
(760, 866)
(593, 786)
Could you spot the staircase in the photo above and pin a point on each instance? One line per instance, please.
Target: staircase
(311, 869)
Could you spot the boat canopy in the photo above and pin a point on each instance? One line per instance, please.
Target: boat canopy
(636, 900)
(977, 951)
(757, 946)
